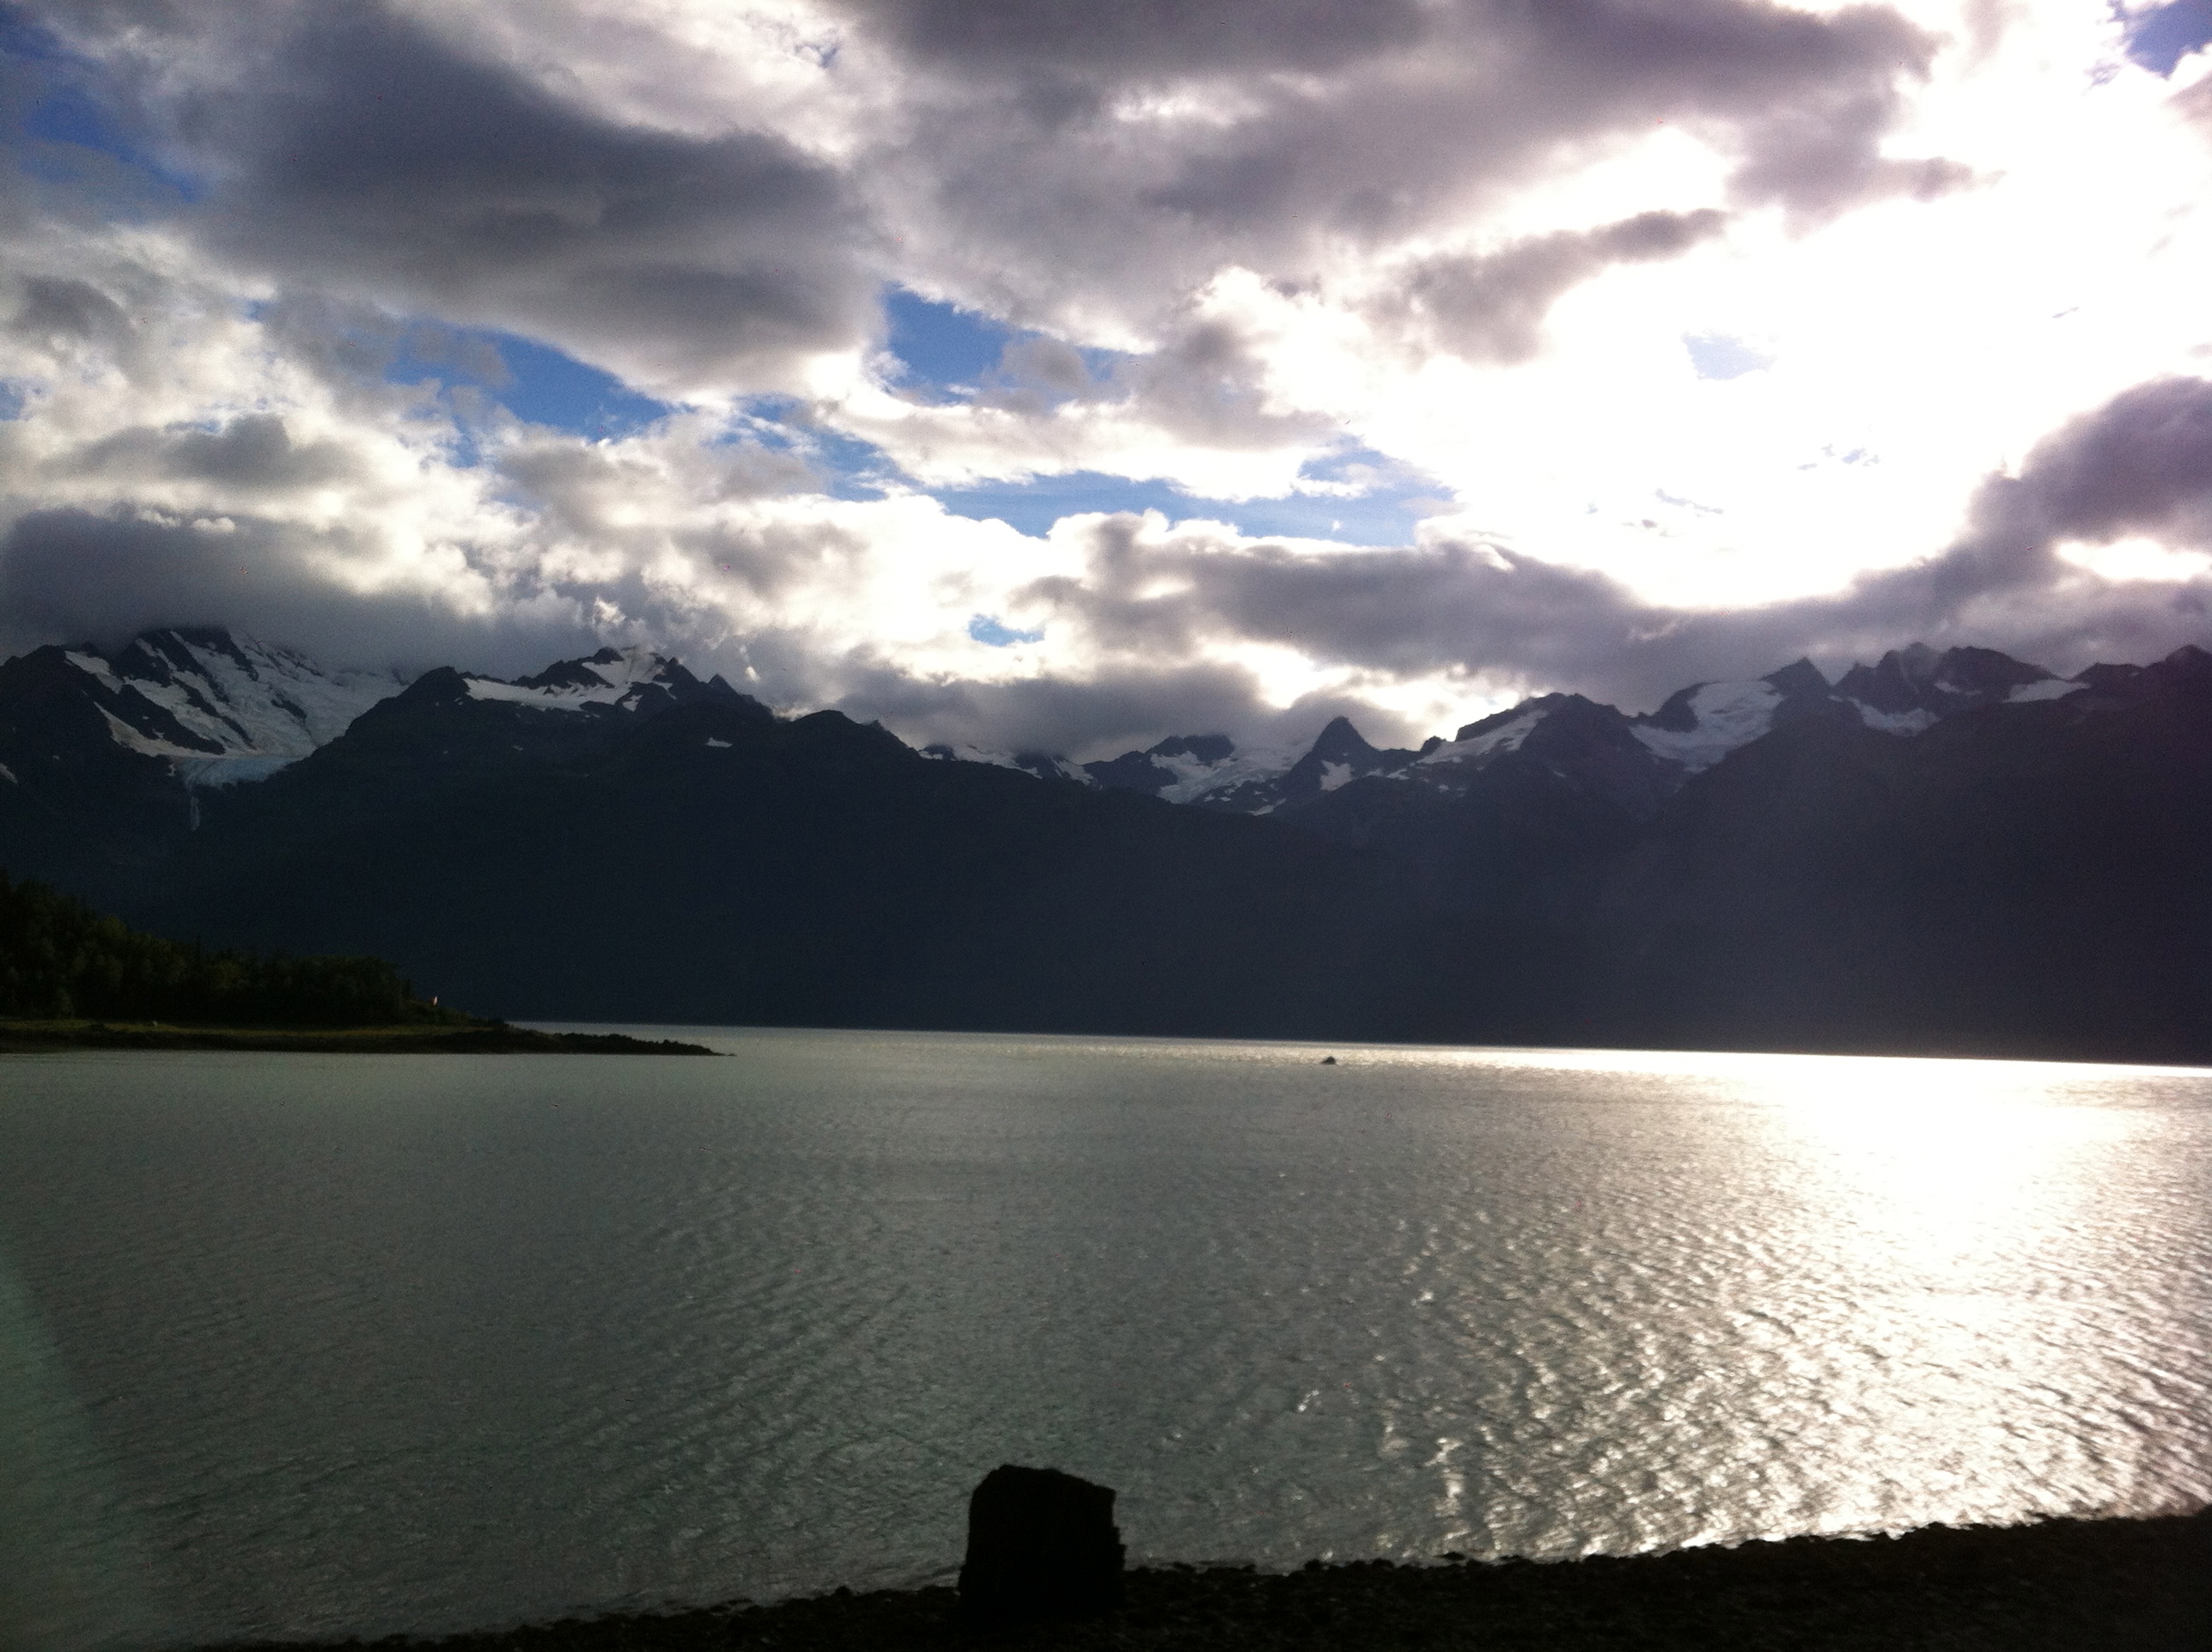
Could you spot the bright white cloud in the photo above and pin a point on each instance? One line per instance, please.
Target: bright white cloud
(1455, 238)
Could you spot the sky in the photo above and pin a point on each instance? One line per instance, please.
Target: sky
(1036, 375)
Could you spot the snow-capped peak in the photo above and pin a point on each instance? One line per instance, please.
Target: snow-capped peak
(1201, 776)
(1911, 689)
(222, 708)
(2049, 687)
(1636, 761)
(621, 677)
(1723, 716)
(1491, 736)
(633, 681)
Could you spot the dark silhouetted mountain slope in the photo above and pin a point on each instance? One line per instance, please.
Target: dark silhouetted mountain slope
(1950, 852)
(711, 863)
(2029, 876)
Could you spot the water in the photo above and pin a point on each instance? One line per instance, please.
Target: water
(310, 1345)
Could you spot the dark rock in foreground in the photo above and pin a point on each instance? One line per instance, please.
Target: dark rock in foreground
(1041, 1545)
(2059, 1586)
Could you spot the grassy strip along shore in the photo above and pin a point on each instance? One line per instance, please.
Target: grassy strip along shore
(2057, 1586)
(71, 979)
(464, 1037)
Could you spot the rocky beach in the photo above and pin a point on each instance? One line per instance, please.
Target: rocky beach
(2054, 1586)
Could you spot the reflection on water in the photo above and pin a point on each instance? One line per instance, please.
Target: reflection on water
(65, 1558)
(363, 1345)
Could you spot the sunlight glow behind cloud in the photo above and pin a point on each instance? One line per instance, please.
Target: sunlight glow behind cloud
(845, 347)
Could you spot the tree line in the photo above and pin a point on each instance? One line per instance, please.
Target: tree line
(60, 960)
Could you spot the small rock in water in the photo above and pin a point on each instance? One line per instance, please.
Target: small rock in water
(1328, 1060)
(1041, 1544)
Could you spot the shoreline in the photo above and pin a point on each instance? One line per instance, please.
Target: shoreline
(473, 1038)
(2064, 1585)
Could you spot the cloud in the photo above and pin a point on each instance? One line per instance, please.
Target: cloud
(1147, 38)
(1485, 615)
(2141, 464)
(74, 576)
(60, 314)
(1492, 307)
(353, 150)
(1092, 184)
(1239, 247)
(562, 171)
(253, 453)
(1098, 711)
(1089, 173)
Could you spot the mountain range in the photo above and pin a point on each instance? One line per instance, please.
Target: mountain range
(1649, 757)
(1954, 851)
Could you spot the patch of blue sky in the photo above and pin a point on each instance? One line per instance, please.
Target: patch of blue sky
(949, 353)
(12, 400)
(1830, 456)
(940, 344)
(533, 381)
(2160, 37)
(1716, 356)
(993, 633)
(545, 386)
(848, 468)
(1384, 514)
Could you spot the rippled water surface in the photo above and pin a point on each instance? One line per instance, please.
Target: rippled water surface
(320, 1345)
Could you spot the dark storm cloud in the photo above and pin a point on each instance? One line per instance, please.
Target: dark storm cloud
(1109, 708)
(1057, 38)
(580, 487)
(1029, 198)
(2141, 464)
(348, 148)
(1805, 100)
(352, 348)
(1493, 308)
(585, 494)
(74, 576)
(254, 453)
(1407, 610)
(58, 312)
(1202, 386)
(74, 322)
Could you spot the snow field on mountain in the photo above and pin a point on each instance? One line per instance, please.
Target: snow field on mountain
(259, 705)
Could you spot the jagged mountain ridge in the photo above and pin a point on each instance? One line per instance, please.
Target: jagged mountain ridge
(636, 681)
(221, 708)
(217, 709)
(104, 759)
(1639, 759)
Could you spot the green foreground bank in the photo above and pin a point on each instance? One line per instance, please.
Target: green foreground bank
(2056, 1586)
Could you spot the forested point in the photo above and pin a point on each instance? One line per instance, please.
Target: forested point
(60, 960)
